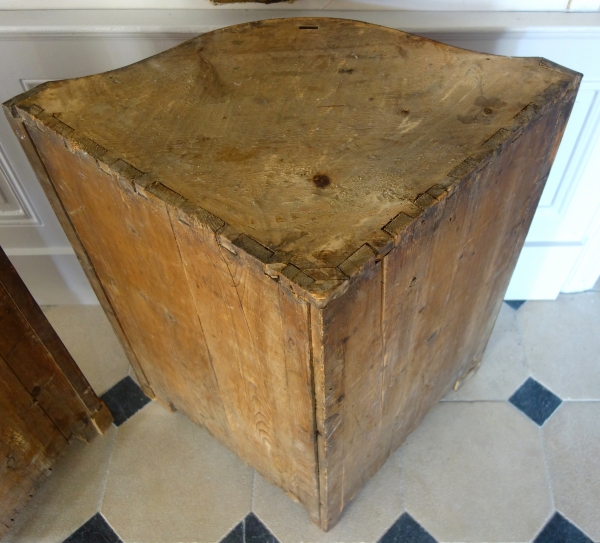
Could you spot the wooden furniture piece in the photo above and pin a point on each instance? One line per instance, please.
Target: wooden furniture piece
(302, 229)
(45, 400)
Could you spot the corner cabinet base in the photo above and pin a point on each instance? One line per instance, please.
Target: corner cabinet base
(301, 229)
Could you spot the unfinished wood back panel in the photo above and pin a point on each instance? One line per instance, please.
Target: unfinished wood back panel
(392, 346)
(139, 265)
(208, 332)
(32, 155)
(257, 336)
(304, 227)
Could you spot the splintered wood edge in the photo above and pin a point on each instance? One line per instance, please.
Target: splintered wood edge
(277, 265)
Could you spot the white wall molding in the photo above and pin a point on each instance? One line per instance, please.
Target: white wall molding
(15, 206)
(131, 23)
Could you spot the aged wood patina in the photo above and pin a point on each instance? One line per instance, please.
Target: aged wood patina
(45, 401)
(302, 229)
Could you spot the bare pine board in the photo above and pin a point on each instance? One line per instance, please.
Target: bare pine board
(303, 227)
(42, 175)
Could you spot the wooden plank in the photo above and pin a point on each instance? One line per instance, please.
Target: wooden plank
(42, 363)
(301, 258)
(140, 268)
(257, 336)
(39, 374)
(24, 138)
(29, 444)
(348, 378)
(442, 289)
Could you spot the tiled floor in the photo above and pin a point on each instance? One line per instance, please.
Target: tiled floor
(513, 456)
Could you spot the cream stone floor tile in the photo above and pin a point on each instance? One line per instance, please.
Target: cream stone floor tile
(366, 519)
(503, 367)
(70, 496)
(475, 472)
(562, 344)
(170, 481)
(87, 334)
(572, 442)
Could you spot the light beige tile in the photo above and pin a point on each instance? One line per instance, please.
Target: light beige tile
(475, 472)
(503, 367)
(562, 344)
(572, 441)
(366, 519)
(70, 496)
(88, 336)
(170, 481)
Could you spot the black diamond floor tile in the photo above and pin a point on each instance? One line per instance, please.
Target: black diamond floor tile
(515, 304)
(250, 530)
(560, 530)
(407, 530)
(256, 531)
(236, 535)
(95, 530)
(535, 400)
(124, 400)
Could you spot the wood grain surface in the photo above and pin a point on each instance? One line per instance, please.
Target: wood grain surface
(45, 400)
(304, 227)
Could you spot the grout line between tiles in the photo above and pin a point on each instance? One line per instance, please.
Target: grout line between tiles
(108, 464)
(546, 466)
(522, 344)
(548, 476)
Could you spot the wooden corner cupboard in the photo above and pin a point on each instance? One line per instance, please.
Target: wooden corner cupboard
(301, 229)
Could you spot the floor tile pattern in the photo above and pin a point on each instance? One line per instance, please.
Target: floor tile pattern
(124, 400)
(562, 344)
(515, 304)
(406, 530)
(560, 530)
(536, 401)
(250, 530)
(476, 470)
(95, 530)
(572, 445)
(236, 535)
(470, 471)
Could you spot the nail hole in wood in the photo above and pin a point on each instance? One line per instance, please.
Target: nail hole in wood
(321, 180)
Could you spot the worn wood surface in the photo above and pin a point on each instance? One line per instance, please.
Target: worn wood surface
(306, 135)
(42, 175)
(44, 398)
(304, 227)
(29, 444)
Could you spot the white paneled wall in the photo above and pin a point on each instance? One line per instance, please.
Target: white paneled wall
(562, 251)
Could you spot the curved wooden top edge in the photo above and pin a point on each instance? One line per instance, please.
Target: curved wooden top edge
(329, 285)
